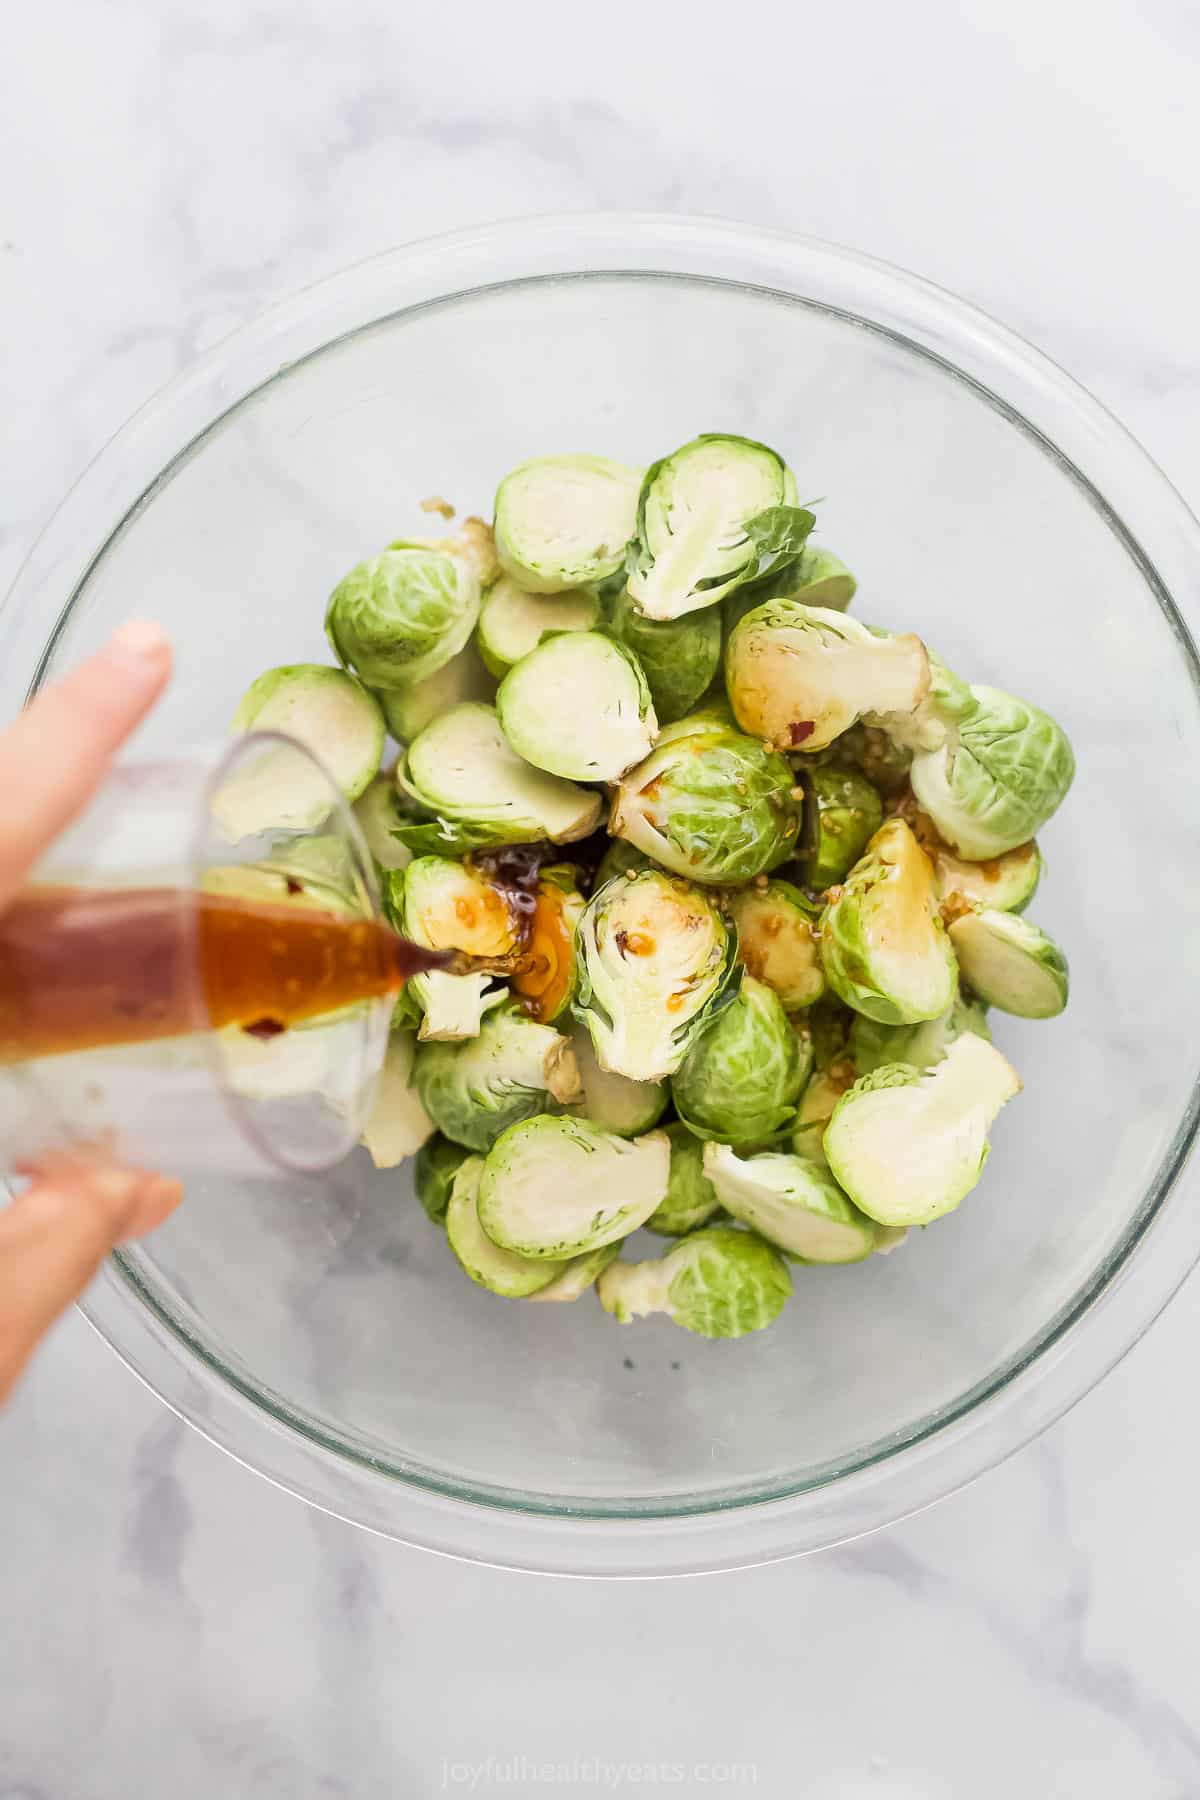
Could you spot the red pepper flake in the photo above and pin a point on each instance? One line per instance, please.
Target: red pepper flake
(265, 1028)
(294, 886)
(800, 730)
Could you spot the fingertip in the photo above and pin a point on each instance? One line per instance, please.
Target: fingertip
(141, 647)
(156, 1200)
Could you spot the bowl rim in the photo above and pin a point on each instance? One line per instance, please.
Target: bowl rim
(1159, 1244)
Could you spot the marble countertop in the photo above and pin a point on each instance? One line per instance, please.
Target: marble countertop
(169, 1624)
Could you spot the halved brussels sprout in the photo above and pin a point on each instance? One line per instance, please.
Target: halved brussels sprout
(885, 763)
(627, 1107)
(320, 870)
(333, 716)
(691, 1199)
(949, 694)
(842, 812)
(694, 544)
(742, 1075)
(462, 769)
(564, 521)
(679, 657)
(512, 621)
(489, 1266)
(473, 543)
(399, 1124)
(408, 710)
(798, 676)
(619, 858)
(580, 1274)
(558, 1187)
(873, 1045)
(657, 962)
(1011, 963)
(438, 1162)
(513, 1070)
(578, 706)
(279, 1068)
(446, 905)
(793, 1203)
(721, 1282)
(712, 805)
(380, 809)
(1006, 882)
(817, 1105)
(1003, 770)
(778, 941)
(548, 981)
(883, 943)
(402, 615)
(818, 578)
(822, 579)
(714, 715)
(908, 1146)
(829, 1023)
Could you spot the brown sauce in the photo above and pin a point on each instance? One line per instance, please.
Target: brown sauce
(82, 968)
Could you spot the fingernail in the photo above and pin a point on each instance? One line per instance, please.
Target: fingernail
(162, 1191)
(114, 1184)
(139, 641)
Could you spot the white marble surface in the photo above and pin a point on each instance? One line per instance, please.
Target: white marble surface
(171, 1625)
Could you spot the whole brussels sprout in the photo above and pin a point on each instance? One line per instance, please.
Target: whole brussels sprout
(798, 676)
(793, 1203)
(679, 657)
(778, 941)
(462, 769)
(438, 1162)
(619, 858)
(720, 1282)
(883, 943)
(489, 1266)
(514, 1069)
(742, 1076)
(658, 961)
(398, 1124)
(909, 1145)
(691, 1199)
(1011, 963)
(559, 1187)
(330, 714)
(712, 805)
(1003, 770)
(830, 1022)
(695, 512)
(402, 615)
(564, 521)
(842, 813)
(873, 1045)
(578, 706)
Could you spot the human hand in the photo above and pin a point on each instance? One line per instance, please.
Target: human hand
(79, 1204)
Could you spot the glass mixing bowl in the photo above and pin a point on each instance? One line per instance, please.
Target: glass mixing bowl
(321, 1331)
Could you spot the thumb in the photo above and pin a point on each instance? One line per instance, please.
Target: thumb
(54, 1237)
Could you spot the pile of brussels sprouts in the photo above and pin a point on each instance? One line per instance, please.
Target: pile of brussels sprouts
(763, 869)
